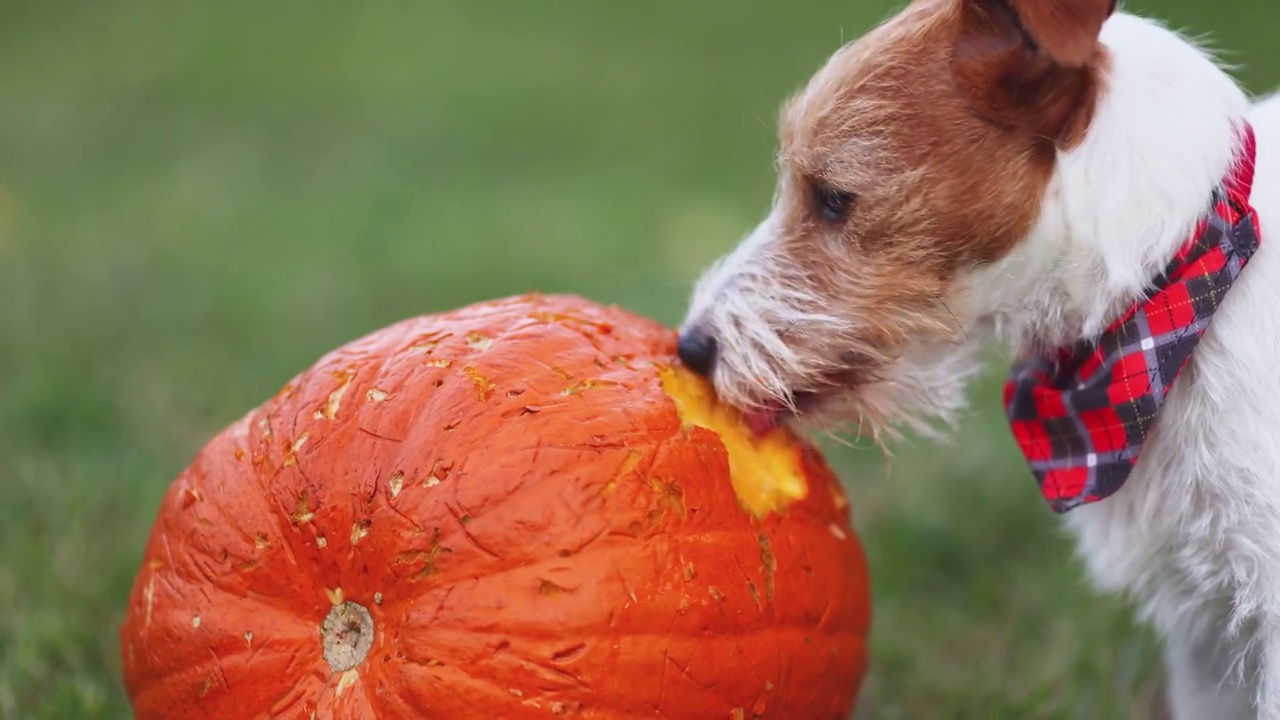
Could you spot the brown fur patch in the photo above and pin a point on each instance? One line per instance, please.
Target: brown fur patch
(944, 123)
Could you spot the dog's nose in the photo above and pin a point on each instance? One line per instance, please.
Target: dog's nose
(697, 350)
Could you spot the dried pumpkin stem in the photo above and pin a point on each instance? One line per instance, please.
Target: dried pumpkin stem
(348, 635)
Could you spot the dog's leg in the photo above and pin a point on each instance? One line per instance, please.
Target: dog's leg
(1204, 682)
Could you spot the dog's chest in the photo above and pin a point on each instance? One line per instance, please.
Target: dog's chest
(1202, 507)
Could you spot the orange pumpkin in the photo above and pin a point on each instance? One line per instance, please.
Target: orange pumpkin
(520, 509)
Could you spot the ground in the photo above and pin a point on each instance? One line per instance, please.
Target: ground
(199, 199)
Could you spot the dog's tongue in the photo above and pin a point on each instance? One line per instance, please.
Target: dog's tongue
(762, 421)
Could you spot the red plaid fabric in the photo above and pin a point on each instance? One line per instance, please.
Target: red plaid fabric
(1081, 414)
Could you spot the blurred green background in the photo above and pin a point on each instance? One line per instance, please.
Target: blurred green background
(199, 199)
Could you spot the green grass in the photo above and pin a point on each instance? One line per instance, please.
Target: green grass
(199, 199)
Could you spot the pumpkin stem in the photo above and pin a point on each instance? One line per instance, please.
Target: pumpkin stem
(348, 635)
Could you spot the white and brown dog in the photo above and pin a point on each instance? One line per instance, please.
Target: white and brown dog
(1080, 184)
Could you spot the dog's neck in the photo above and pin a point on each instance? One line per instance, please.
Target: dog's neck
(1122, 203)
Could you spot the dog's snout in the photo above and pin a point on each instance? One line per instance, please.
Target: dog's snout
(697, 350)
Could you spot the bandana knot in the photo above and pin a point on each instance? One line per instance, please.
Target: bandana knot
(1082, 413)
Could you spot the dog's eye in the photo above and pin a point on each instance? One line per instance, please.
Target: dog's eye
(832, 205)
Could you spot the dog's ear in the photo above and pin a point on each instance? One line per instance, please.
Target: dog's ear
(1030, 64)
(1064, 30)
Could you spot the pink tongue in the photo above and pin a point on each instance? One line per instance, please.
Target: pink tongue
(762, 421)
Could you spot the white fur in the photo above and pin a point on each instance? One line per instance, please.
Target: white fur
(742, 297)
(1194, 536)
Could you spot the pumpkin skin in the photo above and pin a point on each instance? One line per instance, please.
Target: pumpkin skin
(503, 511)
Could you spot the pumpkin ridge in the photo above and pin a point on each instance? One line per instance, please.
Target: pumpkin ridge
(454, 510)
(498, 687)
(334, 426)
(803, 628)
(224, 580)
(287, 528)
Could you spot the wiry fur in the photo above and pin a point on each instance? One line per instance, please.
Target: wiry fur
(880, 321)
(775, 306)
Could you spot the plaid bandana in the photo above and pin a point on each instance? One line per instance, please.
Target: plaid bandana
(1081, 414)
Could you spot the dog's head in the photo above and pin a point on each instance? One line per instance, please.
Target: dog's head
(919, 154)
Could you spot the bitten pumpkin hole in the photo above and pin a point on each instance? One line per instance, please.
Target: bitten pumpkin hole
(348, 635)
(766, 472)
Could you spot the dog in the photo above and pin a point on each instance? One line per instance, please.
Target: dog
(1060, 177)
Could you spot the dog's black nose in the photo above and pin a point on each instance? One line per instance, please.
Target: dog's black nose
(697, 350)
